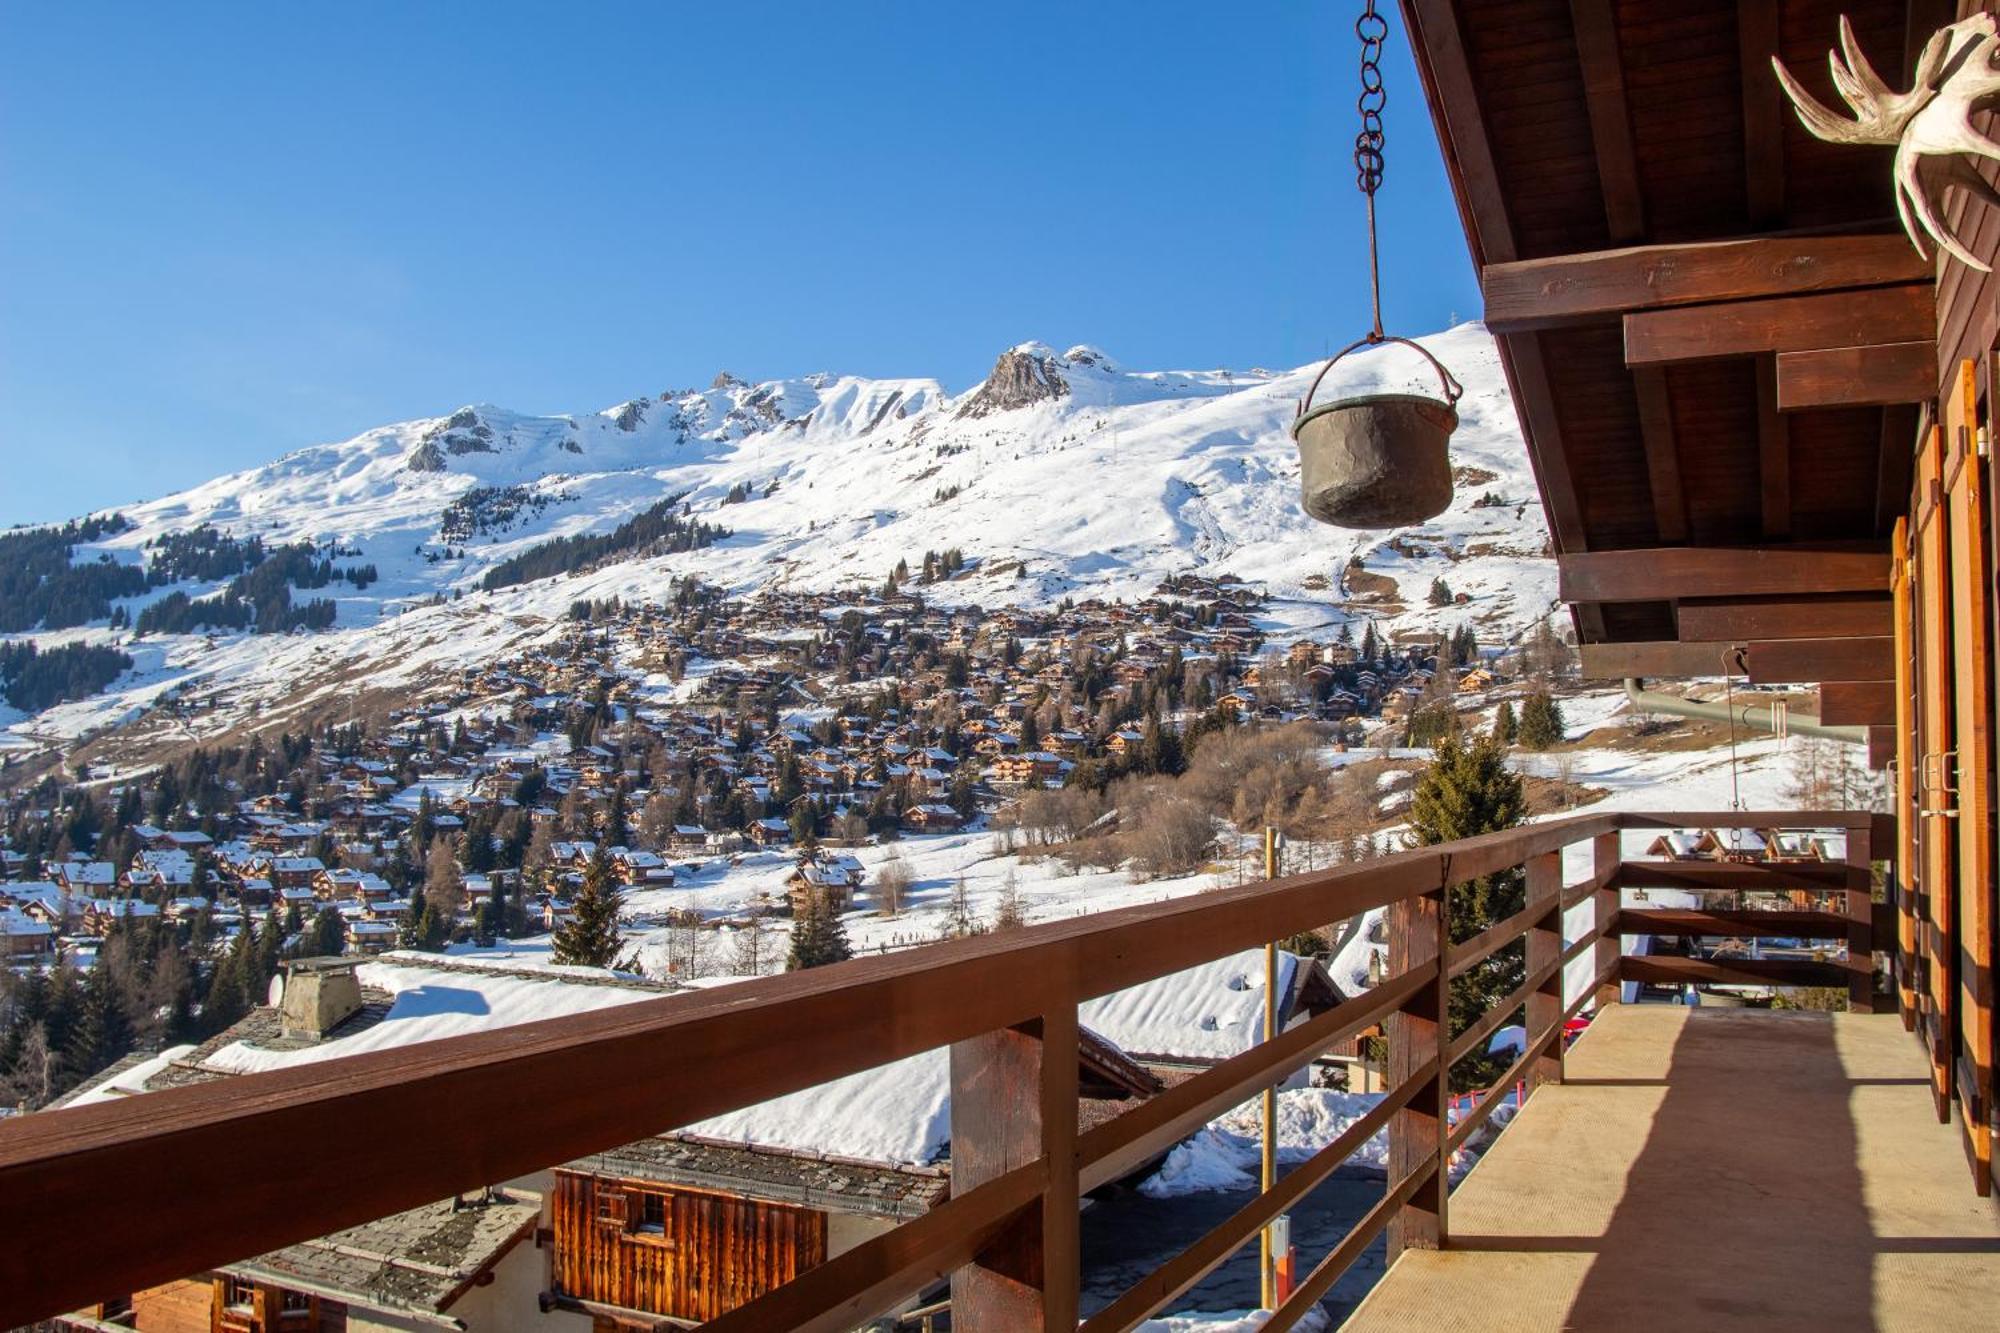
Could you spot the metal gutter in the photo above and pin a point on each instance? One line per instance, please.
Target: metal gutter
(1751, 716)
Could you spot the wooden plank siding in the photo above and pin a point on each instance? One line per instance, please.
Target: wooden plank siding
(714, 1251)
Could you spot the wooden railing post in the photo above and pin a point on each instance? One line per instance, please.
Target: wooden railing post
(1013, 1100)
(1860, 907)
(1607, 851)
(1545, 946)
(1417, 935)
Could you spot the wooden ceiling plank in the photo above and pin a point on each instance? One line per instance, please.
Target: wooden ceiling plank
(1610, 117)
(1543, 293)
(1663, 470)
(1671, 572)
(1758, 37)
(1857, 703)
(1857, 376)
(1774, 454)
(1740, 619)
(1802, 661)
(1867, 318)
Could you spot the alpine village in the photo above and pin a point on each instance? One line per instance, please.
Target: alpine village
(1190, 851)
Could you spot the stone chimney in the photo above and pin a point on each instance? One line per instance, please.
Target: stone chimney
(320, 995)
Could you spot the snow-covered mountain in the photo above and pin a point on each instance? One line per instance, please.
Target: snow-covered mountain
(1062, 474)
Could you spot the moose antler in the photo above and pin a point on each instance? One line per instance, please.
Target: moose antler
(1930, 125)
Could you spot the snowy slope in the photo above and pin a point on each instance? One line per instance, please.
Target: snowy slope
(1095, 480)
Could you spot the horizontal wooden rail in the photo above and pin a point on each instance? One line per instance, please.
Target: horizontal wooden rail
(1693, 923)
(1126, 1142)
(1306, 1296)
(1740, 877)
(1668, 971)
(750, 1043)
(1489, 1101)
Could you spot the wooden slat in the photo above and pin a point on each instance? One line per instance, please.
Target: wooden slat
(1857, 376)
(1672, 572)
(1663, 971)
(1857, 703)
(1621, 661)
(1734, 876)
(1442, 64)
(1305, 1297)
(1803, 661)
(1741, 619)
(1693, 923)
(1546, 957)
(1541, 293)
(1494, 1018)
(1872, 317)
(1547, 1042)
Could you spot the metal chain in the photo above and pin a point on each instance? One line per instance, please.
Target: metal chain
(1373, 30)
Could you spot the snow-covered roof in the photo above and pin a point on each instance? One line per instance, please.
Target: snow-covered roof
(1210, 1012)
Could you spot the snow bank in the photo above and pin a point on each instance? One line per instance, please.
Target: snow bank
(131, 1081)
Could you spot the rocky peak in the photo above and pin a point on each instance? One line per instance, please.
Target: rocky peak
(1029, 373)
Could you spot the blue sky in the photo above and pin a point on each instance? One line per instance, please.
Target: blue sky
(228, 231)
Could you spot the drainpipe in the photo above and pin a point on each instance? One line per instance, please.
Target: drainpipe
(1752, 717)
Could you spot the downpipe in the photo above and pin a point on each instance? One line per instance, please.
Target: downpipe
(1752, 717)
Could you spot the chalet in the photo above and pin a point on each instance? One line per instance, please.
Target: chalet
(1207, 1014)
(836, 879)
(641, 869)
(932, 819)
(770, 832)
(23, 936)
(771, 1191)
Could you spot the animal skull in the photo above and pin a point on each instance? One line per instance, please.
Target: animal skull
(1958, 77)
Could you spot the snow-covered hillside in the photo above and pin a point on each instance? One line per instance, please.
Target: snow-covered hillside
(1060, 475)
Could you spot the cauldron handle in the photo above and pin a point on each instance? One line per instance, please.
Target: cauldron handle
(1453, 390)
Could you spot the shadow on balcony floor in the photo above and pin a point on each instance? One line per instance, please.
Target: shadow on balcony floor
(1715, 1169)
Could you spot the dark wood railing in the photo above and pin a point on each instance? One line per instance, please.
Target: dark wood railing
(112, 1198)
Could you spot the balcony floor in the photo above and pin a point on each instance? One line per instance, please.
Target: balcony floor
(1715, 1169)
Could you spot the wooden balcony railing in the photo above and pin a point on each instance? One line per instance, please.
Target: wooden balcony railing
(112, 1198)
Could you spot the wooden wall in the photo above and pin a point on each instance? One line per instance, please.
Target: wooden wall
(716, 1250)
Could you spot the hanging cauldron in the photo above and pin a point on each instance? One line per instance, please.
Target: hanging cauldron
(1376, 461)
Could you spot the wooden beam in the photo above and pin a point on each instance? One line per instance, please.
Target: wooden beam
(1857, 703)
(1804, 661)
(1757, 38)
(1881, 747)
(1596, 29)
(1774, 455)
(1873, 317)
(1565, 289)
(1668, 573)
(1619, 661)
(1663, 468)
(1857, 376)
(1528, 381)
(1740, 619)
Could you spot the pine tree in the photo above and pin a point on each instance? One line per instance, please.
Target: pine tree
(591, 937)
(1008, 915)
(1541, 721)
(1468, 790)
(818, 937)
(1505, 729)
(102, 1033)
(329, 936)
(1441, 593)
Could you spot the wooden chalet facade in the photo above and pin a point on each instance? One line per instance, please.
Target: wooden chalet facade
(1759, 418)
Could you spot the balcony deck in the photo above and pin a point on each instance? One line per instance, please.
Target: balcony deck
(1716, 1169)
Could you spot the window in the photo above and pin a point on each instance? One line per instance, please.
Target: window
(610, 1207)
(238, 1294)
(653, 1214)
